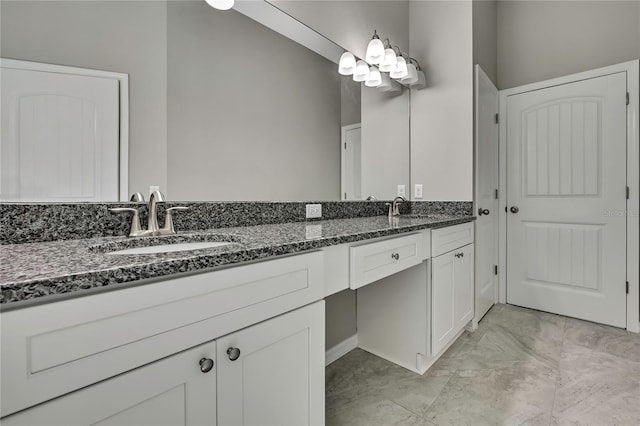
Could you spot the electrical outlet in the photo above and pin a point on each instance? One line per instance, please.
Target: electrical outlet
(417, 192)
(314, 211)
(313, 231)
(401, 191)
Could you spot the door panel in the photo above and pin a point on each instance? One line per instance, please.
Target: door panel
(486, 238)
(566, 175)
(60, 137)
(277, 377)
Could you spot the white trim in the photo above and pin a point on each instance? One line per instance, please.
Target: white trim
(343, 135)
(341, 349)
(123, 84)
(632, 69)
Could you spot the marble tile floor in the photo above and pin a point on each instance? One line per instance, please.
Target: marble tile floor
(521, 367)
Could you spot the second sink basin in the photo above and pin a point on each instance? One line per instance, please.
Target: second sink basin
(170, 248)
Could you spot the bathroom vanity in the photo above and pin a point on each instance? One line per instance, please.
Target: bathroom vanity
(228, 335)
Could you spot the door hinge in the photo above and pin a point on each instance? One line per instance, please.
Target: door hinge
(345, 145)
(627, 287)
(345, 195)
(495, 269)
(497, 118)
(628, 192)
(627, 98)
(497, 194)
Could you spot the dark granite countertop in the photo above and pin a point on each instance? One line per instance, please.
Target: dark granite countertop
(34, 272)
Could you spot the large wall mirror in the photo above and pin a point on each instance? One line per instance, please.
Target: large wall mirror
(221, 106)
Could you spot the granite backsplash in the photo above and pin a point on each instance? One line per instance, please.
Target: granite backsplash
(40, 222)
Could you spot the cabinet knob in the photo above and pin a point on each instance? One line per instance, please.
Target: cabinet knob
(395, 256)
(514, 209)
(234, 353)
(206, 364)
(482, 212)
(459, 255)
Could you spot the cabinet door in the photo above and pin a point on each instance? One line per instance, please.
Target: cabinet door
(443, 320)
(463, 286)
(173, 391)
(273, 373)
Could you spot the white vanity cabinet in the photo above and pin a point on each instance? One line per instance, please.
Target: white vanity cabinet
(174, 391)
(124, 357)
(451, 296)
(411, 317)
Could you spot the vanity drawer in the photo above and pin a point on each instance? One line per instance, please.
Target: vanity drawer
(373, 261)
(52, 349)
(444, 240)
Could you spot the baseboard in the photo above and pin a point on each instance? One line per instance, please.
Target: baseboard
(341, 349)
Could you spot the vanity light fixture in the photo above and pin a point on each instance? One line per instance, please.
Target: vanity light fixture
(401, 69)
(374, 79)
(221, 4)
(390, 58)
(347, 65)
(412, 73)
(421, 82)
(375, 51)
(362, 71)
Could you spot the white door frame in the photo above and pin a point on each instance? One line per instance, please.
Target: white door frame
(123, 80)
(632, 69)
(343, 140)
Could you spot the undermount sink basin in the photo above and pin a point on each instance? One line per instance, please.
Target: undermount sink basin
(170, 248)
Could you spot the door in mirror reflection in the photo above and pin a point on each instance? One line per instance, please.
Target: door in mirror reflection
(60, 136)
(351, 162)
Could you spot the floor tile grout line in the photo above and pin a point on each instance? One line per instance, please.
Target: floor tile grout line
(558, 376)
(430, 405)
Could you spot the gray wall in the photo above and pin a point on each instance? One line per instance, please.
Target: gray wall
(538, 40)
(442, 113)
(252, 115)
(485, 36)
(341, 319)
(350, 23)
(127, 37)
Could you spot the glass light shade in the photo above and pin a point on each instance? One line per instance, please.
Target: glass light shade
(362, 71)
(221, 4)
(421, 82)
(389, 62)
(375, 51)
(401, 69)
(412, 75)
(347, 65)
(385, 84)
(374, 79)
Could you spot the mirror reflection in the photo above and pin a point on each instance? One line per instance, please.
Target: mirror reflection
(219, 107)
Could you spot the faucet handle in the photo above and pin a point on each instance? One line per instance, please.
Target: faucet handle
(136, 229)
(168, 229)
(390, 208)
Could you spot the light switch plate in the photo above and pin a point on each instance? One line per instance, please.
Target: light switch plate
(417, 192)
(314, 211)
(401, 191)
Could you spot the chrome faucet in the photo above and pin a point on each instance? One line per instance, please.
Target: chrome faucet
(396, 201)
(152, 223)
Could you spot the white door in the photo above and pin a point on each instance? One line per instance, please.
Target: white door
(60, 137)
(352, 162)
(272, 373)
(566, 181)
(486, 238)
(173, 391)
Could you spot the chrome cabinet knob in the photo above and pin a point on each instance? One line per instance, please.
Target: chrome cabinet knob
(234, 353)
(395, 256)
(514, 209)
(206, 364)
(482, 212)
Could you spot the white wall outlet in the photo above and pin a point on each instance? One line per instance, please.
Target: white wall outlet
(401, 191)
(313, 231)
(153, 188)
(417, 191)
(314, 211)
